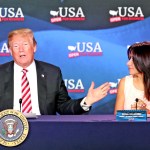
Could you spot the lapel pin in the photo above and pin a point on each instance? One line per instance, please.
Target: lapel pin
(42, 75)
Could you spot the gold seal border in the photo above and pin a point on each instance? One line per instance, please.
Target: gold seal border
(25, 125)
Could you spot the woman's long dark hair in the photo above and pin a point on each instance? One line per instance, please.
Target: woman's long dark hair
(141, 60)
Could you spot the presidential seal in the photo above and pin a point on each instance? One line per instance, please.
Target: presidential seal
(14, 127)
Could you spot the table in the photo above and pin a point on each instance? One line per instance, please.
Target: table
(85, 132)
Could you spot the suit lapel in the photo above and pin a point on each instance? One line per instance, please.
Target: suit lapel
(42, 87)
(9, 85)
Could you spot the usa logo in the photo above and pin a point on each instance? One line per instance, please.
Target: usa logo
(13, 128)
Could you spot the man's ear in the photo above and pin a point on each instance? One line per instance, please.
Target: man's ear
(10, 51)
(34, 48)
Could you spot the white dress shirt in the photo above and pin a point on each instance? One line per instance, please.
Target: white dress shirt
(32, 78)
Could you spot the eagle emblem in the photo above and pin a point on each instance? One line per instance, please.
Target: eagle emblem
(10, 128)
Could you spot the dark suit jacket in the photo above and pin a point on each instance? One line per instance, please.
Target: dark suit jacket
(52, 93)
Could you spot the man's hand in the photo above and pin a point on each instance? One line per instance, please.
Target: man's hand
(96, 94)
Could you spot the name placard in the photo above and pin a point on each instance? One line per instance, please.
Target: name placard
(131, 115)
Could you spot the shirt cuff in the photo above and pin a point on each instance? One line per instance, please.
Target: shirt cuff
(84, 105)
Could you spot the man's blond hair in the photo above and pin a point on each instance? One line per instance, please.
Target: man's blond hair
(22, 31)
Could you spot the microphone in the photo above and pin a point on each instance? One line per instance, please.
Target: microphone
(20, 102)
(136, 102)
(27, 115)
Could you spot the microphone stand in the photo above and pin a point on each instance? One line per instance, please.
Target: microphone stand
(20, 102)
(136, 102)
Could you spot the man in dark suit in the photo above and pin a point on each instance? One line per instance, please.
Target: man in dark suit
(48, 92)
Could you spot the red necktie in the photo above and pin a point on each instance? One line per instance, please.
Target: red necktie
(26, 94)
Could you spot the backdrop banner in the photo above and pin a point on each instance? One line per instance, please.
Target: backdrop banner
(87, 39)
